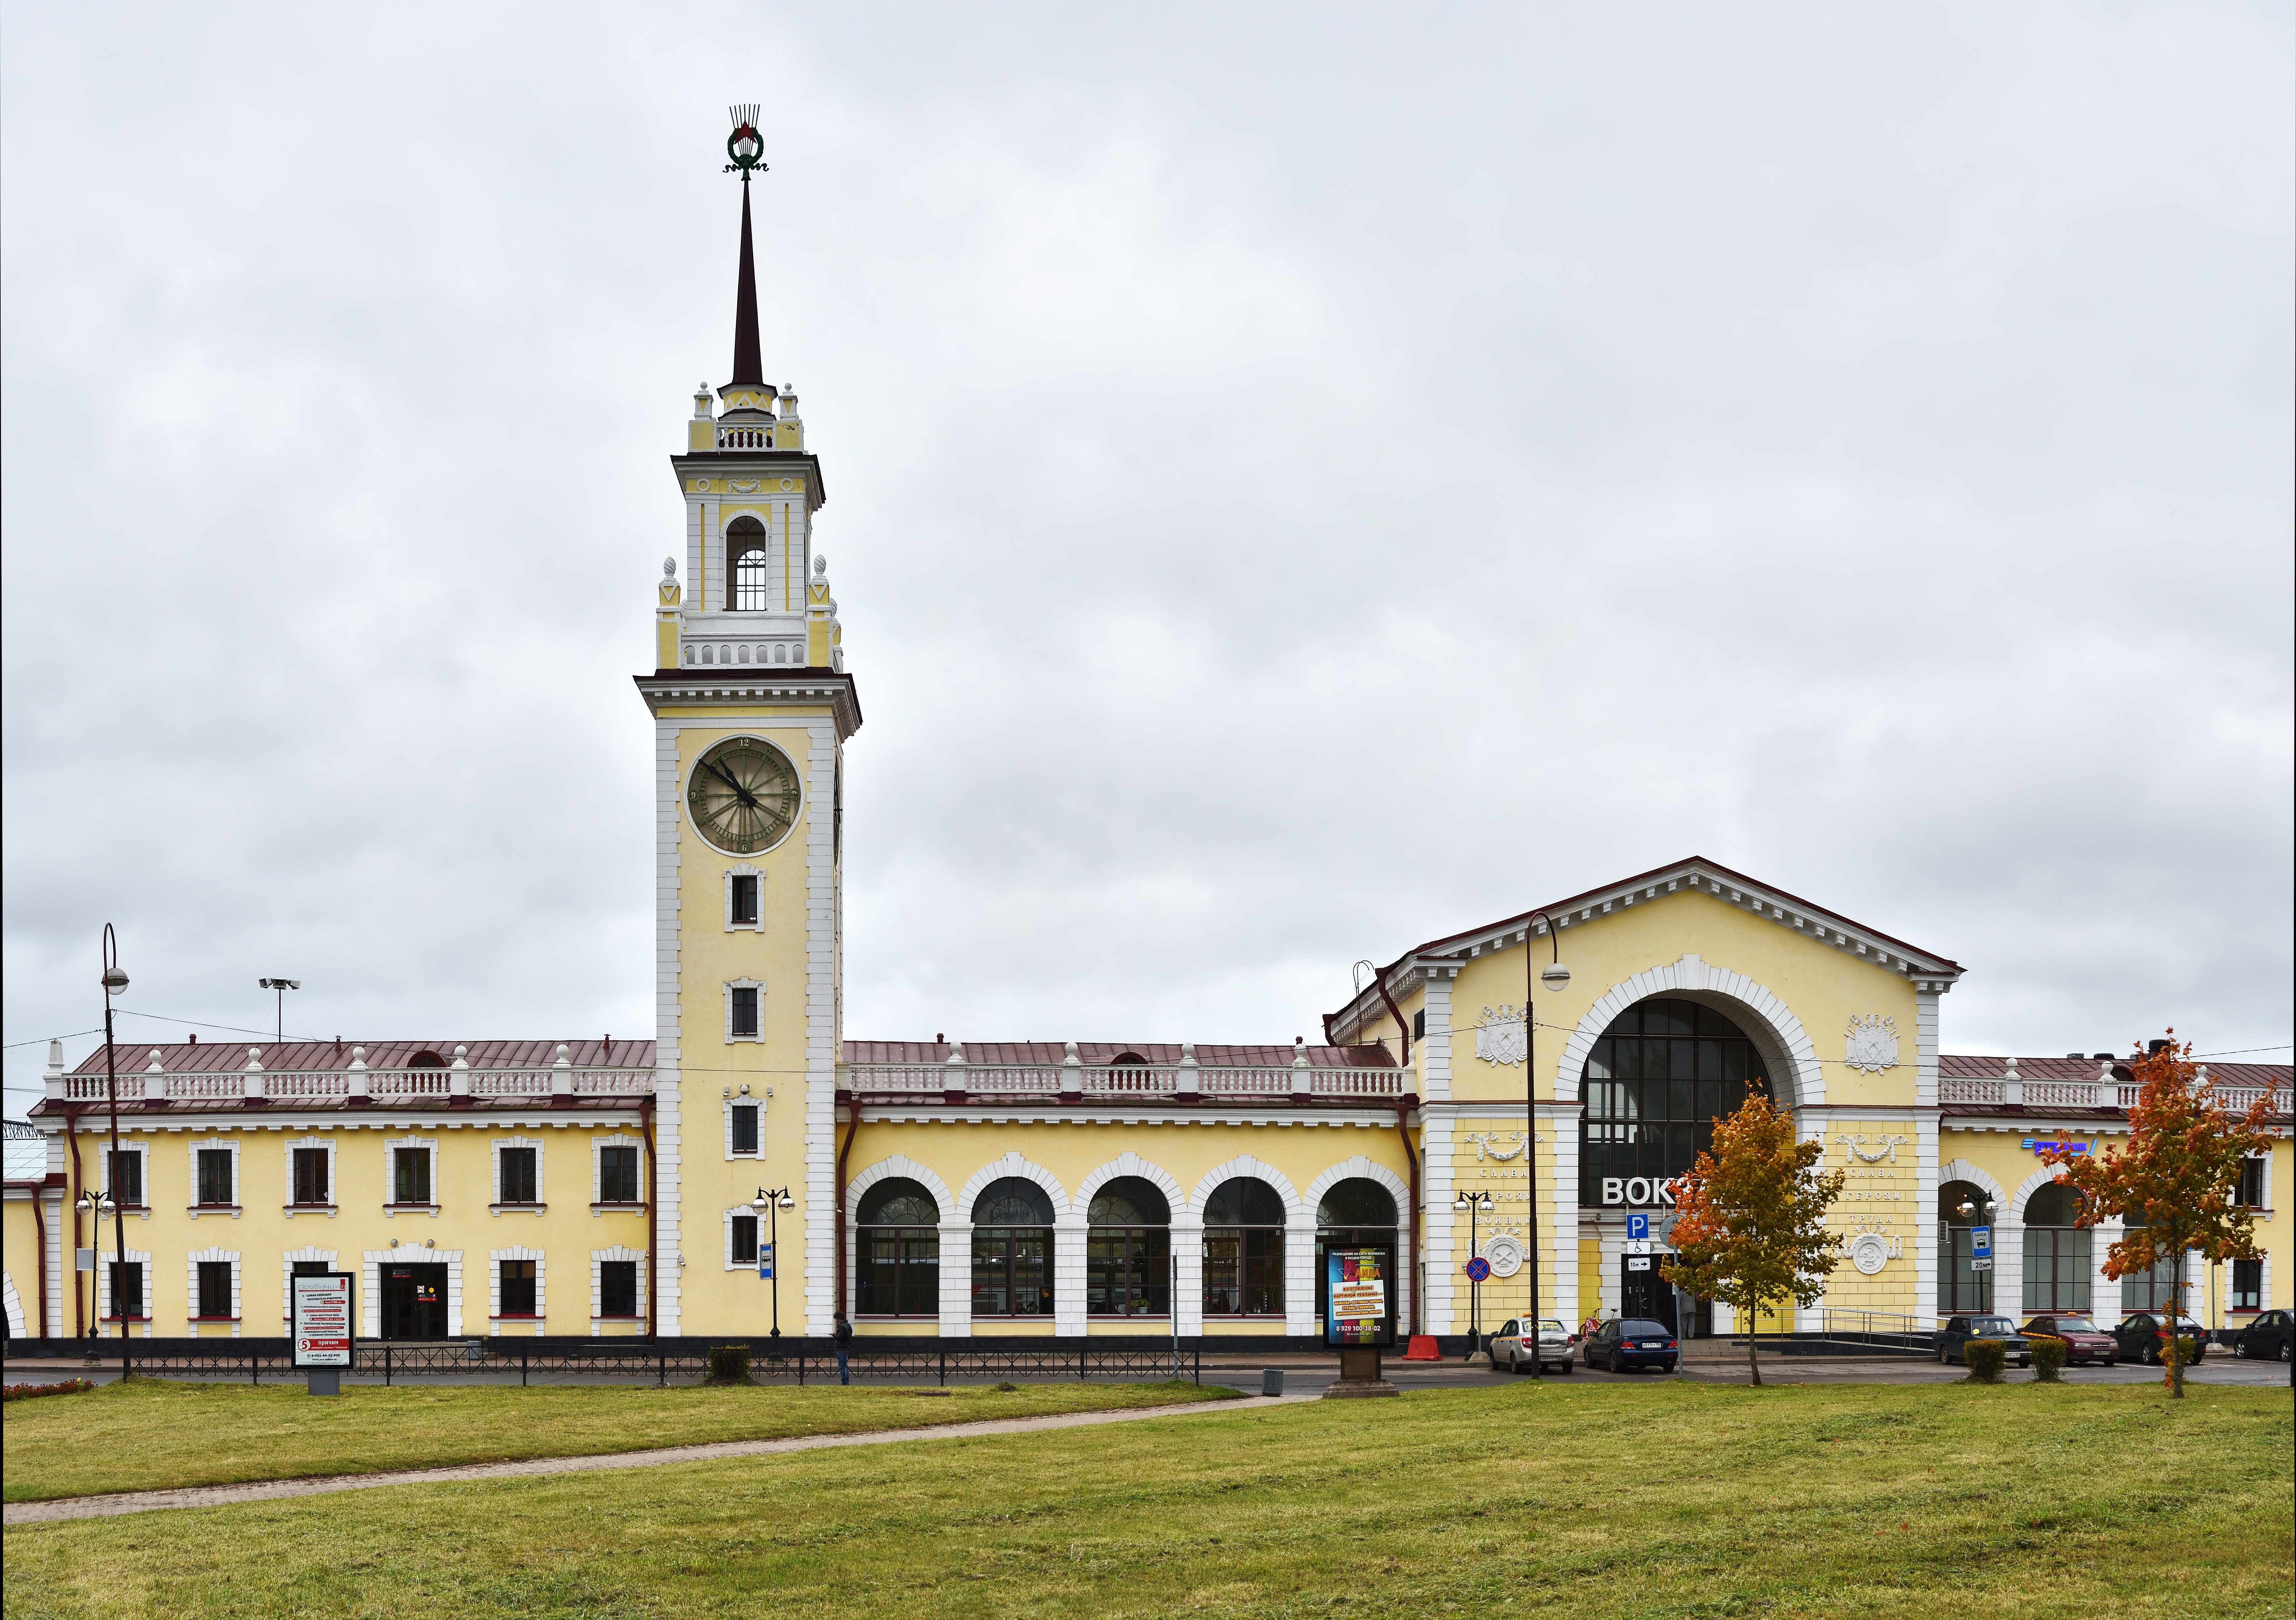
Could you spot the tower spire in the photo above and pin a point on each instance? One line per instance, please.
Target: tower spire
(747, 148)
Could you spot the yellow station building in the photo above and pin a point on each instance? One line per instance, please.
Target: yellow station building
(966, 1189)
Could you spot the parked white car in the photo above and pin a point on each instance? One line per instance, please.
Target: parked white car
(1511, 1349)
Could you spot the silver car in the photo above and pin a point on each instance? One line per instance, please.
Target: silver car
(1511, 1347)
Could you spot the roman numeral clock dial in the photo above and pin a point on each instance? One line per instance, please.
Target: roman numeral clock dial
(743, 795)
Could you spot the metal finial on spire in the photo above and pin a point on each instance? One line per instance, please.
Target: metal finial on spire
(745, 145)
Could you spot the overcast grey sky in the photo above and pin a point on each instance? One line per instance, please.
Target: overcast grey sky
(1302, 480)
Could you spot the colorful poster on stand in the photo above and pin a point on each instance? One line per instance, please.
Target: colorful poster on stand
(323, 1320)
(1355, 1308)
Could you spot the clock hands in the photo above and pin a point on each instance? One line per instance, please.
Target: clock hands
(739, 791)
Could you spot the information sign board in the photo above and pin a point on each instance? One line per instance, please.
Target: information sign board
(1355, 1306)
(322, 1321)
(1638, 1262)
(764, 1263)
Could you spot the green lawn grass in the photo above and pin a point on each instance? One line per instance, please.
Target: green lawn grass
(147, 1434)
(1598, 1502)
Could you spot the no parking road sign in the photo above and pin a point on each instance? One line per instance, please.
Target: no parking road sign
(1478, 1268)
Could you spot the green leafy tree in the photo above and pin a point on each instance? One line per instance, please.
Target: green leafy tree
(2179, 1175)
(1750, 1219)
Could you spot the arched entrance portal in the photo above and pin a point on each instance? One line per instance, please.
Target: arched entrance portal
(1654, 1083)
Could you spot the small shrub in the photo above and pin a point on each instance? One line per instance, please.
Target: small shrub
(2183, 1353)
(1985, 1359)
(26, 1392)
(1005, 1386)
(2049, 1360)
(729, 1364)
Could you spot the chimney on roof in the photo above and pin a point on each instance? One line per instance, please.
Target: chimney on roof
(2152, 1046)
(2105, 1056)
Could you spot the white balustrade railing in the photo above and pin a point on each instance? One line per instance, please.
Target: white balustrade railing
(1984, 1092)
(91, 1088)
(1357, 1083)
(298, 1085)
(201, 1088)
(317, 1082)
(408, 1082)
(1244, 1082)
(912, 1081)
(2066, 1094)
(1130, 1080)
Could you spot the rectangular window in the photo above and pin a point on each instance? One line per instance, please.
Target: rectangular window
(215, 1176)
(517, 1287)
(127, 1178)
(745, 1127)
(745, 1011)
(311, 1267)
(2251, 1193)
(745, 898)
(127, 1290)
(310, 1175)
(2248, 1285)
(410, 1175)
(745, 1240)
(215, 1289)
(1419, 1024)
(518, 1179)
(618, 1177)
(617, 1287)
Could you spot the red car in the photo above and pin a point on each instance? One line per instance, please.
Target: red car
(2082, 1340)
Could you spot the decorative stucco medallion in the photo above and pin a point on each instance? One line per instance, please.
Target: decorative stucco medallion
(1499, 1037)
(1873, 1043)
(1869, 1252)
(1504, 1250)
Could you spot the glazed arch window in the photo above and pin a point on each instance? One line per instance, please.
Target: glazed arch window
(1657, 1079)
(1012, 1250)
(1961, 1286)
(2057, 1263)
(1127, 1251)
(897, 1251)
(748, 566)
(1356, 1214)
(1244, 1249)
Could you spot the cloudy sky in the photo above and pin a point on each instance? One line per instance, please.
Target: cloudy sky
(1302, 480)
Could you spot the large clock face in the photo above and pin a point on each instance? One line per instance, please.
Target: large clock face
(743, 795)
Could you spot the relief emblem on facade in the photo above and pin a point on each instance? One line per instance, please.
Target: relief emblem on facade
(1488, 1144)
(1504, 1250)
(1499, 1037)
(1873, 1043)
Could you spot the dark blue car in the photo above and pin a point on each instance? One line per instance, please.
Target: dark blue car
(1631, 1345)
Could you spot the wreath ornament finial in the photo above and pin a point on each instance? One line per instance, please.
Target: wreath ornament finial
(745, 146)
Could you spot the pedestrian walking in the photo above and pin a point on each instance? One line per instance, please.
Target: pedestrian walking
(843, 1338)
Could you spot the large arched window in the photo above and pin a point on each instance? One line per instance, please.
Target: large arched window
(746, 565)
(1127, 1251)
(1961, 1287)
(1357, 1214)
(1654, 1084)
(2056, 1251)
(1244, 1249)
(897, 1251)
(1012, 1249)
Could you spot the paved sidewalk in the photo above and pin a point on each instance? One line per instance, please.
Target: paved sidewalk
(215, 1496)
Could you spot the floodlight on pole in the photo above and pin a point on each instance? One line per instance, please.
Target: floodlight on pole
(280, 986)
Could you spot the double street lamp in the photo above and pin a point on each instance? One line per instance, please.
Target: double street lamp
(1474, 1208)
(114, 981)
(769, 1205)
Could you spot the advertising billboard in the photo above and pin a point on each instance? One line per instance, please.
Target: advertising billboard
(1356, 1302)
(321, 1319)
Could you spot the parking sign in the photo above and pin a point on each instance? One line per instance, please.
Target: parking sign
(1638, 1227)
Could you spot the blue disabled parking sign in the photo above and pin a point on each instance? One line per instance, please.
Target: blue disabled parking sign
(1637, 1227)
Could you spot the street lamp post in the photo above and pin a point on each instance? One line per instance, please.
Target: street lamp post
(96, 1205)
(114, 982)
(770, 1205)
(1554, 976)
(1474, 1209)
(279, 1010)
(1992, 1208)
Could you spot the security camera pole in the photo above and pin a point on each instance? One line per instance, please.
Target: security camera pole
(1554, 976)
(278, 1029)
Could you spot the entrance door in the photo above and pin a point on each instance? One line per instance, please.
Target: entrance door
(414, 1302)
(1643, 1294)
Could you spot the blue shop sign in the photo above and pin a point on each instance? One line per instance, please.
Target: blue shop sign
(2034, 1146)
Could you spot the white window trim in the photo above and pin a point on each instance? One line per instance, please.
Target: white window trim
(2263, 1290)
(287, 1269)
(744, 870)
(732, 1103)
(103, 1262)
(335, 1188)
(598, 1257)
(495, 1206)
(103, 1167)
(196, 1209)
(192, 1286)
(390, 1151)
(725, 1246)
(598, 1174)
(730, 987)
(495, 1318)
(2264, 1189)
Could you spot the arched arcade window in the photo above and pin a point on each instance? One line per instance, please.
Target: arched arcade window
(746, 565)
(1961, 1287)
(2056, 1251)
(1244, 1249)
(1127, 1251)
(1012, 1249)
(1357, 1214)
(897, 1251)
(1654, 1084)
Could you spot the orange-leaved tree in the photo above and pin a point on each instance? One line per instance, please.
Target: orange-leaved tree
(1750, 1218)
(2179, 1175)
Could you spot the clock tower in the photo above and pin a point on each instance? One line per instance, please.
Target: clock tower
(751, 706)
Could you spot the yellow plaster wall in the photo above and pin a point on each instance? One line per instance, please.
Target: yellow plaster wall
(20, 1253)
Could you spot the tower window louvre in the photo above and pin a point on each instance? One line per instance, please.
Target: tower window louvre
(746, 565)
